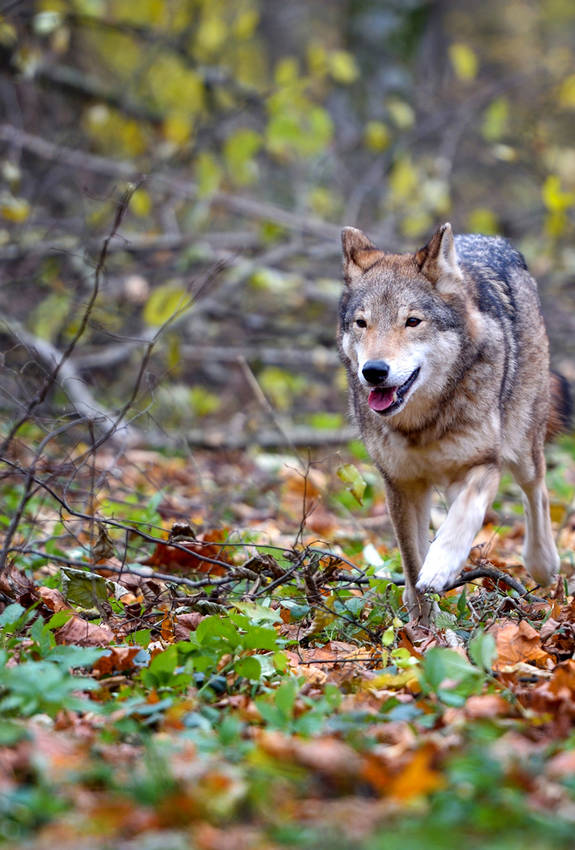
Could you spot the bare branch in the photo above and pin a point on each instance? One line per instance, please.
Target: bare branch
(255, 209)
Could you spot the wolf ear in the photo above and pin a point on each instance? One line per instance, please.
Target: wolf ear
(359, 253)
(438, 259)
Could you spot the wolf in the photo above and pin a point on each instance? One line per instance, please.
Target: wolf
(447, 360)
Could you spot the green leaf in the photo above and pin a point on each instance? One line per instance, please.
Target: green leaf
(260, 638)
(164, 663)
(75, 656)
(249, 668)
(258, 613)
(11, 614)
(219, 629)
(84, 588)
(350, 475)
(285, 697)
(482, 650)
(58, 619)
(443, 667)
(280, 660)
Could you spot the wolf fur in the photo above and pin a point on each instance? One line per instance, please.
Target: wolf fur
(448, 366)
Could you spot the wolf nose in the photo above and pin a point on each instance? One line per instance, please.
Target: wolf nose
(375, 372)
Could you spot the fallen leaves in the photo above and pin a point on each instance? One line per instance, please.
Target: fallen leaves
(517, 643)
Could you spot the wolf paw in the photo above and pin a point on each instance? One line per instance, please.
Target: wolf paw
(438, 571)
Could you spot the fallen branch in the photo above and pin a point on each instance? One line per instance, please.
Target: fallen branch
(296, 435)
(496, 576)
(67, 377)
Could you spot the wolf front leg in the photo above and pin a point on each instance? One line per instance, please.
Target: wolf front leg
(409, 512)
(449, 551)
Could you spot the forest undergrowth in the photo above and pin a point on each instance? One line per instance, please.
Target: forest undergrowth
(214, 650)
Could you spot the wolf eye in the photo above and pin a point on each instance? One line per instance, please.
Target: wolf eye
(412, 322)
(361, 323)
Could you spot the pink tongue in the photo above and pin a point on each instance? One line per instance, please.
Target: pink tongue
(381, 398)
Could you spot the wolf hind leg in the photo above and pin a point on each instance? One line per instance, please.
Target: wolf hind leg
(539, 551)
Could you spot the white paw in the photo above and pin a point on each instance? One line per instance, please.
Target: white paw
(439, 569)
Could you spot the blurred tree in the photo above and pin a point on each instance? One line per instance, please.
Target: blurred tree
(261, 127)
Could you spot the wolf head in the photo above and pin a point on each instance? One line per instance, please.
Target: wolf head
(401, 324)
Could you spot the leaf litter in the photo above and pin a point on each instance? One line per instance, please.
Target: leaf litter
(221, 657)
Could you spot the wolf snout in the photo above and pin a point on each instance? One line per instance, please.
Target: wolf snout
(375, 372)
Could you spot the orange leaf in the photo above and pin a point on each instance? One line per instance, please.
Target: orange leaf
(171, 558)
(417, 778)
(517, 642)
(119, 658)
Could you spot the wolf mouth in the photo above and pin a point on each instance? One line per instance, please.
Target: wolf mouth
(386, 400)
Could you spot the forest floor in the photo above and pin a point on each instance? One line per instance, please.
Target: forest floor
(211, 651)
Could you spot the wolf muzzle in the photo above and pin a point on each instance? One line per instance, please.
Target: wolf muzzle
(375, 372)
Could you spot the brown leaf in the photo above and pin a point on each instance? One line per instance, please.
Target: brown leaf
(561, 765)
(487, 705)
(52, 598)
(83, 633)
(171, 558)
(118, 658)
(517, 642)
(186, 623)
(16, 585)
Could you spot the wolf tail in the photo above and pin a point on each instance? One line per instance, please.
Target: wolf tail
(561, 408)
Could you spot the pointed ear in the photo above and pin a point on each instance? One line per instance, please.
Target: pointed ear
(438, 259)
(359, 253)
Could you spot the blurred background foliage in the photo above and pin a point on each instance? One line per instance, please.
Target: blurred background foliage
(252, 131)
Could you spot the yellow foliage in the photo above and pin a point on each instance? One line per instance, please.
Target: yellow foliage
(495, 119)
(567, 93)
(417, 224)
(178, 127)
(164, 302)
(483, 220)
(286, 71)
(14, 209)
(120, 52)
(342, 67)
(8, 34)
(377, 136)
(245, 23)
(141, 203)
(248, 65)
(211, 35)
(464, 61)
(317, 59)
(208, 174)
(401, 113)
(52, 6)
(403, 180)
(174, 85)
(322, 201)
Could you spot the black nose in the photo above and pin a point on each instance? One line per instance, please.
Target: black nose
(375, 372)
